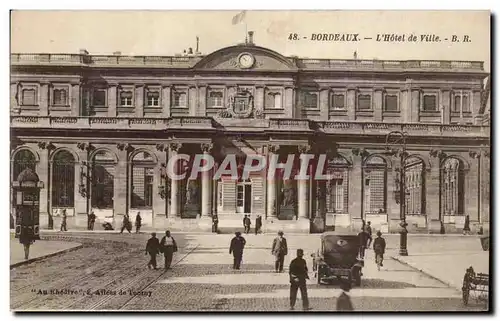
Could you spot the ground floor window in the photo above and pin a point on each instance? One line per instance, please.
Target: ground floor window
(23, 159)
(142, 187)
(374, 185)
(452, 187)
(102, 180)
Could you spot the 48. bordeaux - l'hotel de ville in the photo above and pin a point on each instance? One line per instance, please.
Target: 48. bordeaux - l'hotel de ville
(99, 130)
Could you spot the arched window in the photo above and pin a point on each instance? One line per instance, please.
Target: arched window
(337, 187)
(414, 172)
(142, 180)
(374, 185)
(63, 179)
(103, 175)
(452, 187)
(23, 159)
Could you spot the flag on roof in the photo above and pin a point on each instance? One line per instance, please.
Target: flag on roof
(239, 17)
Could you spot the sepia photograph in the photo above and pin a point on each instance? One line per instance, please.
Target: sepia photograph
(250, 161)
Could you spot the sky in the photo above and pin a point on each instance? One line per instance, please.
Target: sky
(170, 32)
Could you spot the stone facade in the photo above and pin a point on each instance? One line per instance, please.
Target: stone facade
(119, 119)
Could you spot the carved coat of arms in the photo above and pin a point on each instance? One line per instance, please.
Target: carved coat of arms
(241, 105)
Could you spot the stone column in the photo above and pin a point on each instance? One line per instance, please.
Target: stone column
(303, 191)
(174, 184)
(432, 190)
(271, 211)
(289, 103)
(445, 105)
(82, 174)
(159, 202)
(393, 206)
(192, 100)
(121, 184)
(42, 170)
(112, 91)
(44, 102)
(355, 190)
(415, 105)
(206, 184)
(324, 103)
(351, 103)
(165, 101)
(485, 190)
(139, 101)
(405, 104)
(75, 100)
(472, 188)
(378, 104)
(202, 101)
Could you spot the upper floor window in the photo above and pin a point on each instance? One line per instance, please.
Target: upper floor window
(364, 102)
(99, 97)
(309, 99)
(179, 99)
(126, 98)
(429, 103)
(273, 100)
(215, 99)
(461, 103)
(391, 103)
(152, 98)
(60, 97)
(338, 101)
(29, 97)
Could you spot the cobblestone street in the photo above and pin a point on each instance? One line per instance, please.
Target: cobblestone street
(110, 273)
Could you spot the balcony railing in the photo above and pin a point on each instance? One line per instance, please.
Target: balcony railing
(284, 125)
(190, 61)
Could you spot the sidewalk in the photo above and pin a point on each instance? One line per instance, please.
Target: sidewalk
(38, 251)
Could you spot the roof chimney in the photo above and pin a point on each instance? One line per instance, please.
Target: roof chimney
(117, 53)
(83, 52)
(250, 38)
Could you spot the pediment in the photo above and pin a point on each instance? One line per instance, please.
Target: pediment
(246, 58)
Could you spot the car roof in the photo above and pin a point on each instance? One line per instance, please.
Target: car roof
(325, 234)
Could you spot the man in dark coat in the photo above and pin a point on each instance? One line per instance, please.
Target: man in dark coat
(369, 233)
(379, 247)
(363, 241)
(246, 223)
(466, 229)
(92, 218)
(279, 250)
(168, 246)
(126, 224)
(64, 226)
(298, 276)
(152, 248)
(215, 224)
(138, 222)
(236, 248)
(258, 224)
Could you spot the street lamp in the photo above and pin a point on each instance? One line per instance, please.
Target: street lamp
(399, 139)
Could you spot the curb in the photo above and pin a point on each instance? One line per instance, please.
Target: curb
(426, 273)
(74, 248)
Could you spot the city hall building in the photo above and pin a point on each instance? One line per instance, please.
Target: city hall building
(99, 130)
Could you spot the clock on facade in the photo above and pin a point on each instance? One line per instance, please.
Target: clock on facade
(246, 60)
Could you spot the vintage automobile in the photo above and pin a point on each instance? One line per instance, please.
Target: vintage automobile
(338, 256)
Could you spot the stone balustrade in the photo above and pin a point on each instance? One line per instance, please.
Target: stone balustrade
(285, 125)
(190, 61)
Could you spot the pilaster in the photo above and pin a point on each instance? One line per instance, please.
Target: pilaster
(432, 184)
(377, 104)
(166, 96)
(121, 184)
(44, 99)
(351, 103)
(324, 103)
(415, 105)
(139, 101)
(75, 100)
(445, 105)
(271, 212)
(112, 91)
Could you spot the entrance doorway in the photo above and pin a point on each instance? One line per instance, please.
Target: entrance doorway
(244, 197)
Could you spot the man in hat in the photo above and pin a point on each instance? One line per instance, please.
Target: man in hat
(152, 248)
(279, 250)
(298, 276)
(236, 248)
(92, 218)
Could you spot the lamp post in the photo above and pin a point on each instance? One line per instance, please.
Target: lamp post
(399, 139)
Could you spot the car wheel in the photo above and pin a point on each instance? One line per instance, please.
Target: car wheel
(356, 276)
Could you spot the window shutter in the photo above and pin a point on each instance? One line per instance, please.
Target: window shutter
(257, 194)
(229, 192)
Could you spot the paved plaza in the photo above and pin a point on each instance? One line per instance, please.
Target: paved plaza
(109, 273)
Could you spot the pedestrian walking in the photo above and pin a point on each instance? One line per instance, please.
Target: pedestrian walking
(215, 224)
(247, 223)
(168, 246)
(298, 275)
(258, 224)
(344, 300)
(126, 224)
(363, 241)
(26, 238)
(379, 248)
(236, 248)
(138, 222)
(64, 221)
(369, 233)
(92, 219)
(466, 229)
(153, 249)
(279, 249)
